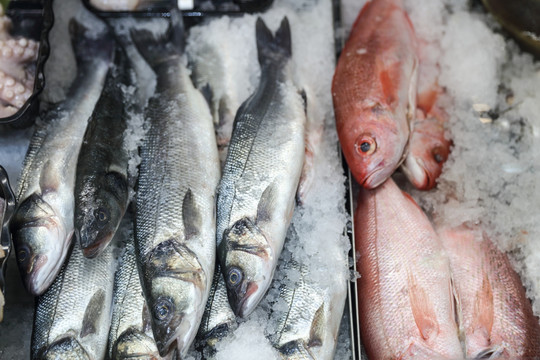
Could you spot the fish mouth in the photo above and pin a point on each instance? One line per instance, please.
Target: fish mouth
(375, 178)
(415, 169)
(248, 302)
(93, 249)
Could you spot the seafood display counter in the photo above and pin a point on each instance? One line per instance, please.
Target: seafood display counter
(239, 232)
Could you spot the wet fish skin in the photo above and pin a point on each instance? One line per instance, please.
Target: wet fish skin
(175, 207)
(42, 226)
(72, 317)
(130, 335)
(256, 194)
(218, 319)
(309, 328)
(496, 317)
(406, 302)
(374, 90)
(101, 185)
(429, 149)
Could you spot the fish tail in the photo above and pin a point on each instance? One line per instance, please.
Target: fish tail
(154, 48)
(89, 47)
(273, 48)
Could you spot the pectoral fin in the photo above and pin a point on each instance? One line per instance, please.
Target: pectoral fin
(422, 309)
(92, 314)
(191, 216)
(267, 204)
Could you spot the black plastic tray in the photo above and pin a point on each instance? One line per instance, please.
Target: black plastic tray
(32, 19)
(5, 236)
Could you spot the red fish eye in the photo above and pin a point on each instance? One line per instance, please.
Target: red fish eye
(438, 155)
(365, 145)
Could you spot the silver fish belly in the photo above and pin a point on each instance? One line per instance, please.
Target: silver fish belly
(175, 208)
(42, 226)
(260, 176)
(72, 317)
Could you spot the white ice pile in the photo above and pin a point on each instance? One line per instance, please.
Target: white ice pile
(492, 174)
(316, 236)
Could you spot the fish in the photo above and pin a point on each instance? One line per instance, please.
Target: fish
(256, 194)
(101, 185)
(429, 148)
(406, 303)
(7, 207)
(218, 320)
(72, 318)
(130, 335)
(496, 317)
(175, 204)
(42, 226)
(374, 91)
(308, 329)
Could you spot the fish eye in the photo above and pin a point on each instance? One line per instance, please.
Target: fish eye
(235, 276)
(101, 215)
(162, 309)
(437, 155)
(365, 145)
(22, 255)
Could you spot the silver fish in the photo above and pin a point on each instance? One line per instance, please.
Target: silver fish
(256, 194)
(42, 226)
(101, 184)
(130, 336)
(218, 319)
(72, 317)
(175, 208)
(309, 328)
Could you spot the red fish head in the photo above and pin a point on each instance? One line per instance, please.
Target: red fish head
(429, 150)
(373, 147)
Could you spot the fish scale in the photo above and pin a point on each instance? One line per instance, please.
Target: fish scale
(175, 206)
(261, 174)
(70, 308)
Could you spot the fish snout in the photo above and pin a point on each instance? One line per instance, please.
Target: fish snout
(133, 344)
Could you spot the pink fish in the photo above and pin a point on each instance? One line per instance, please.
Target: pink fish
(496, 317)
(374, 91)
(406, 302)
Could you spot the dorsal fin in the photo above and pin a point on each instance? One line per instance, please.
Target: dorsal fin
(92, 314)
(422, 309)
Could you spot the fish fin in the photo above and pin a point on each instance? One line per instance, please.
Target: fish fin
(208, 95)
(482, 322)
(458, 314)
(318, 327)
(411, 106)
(87, 47)
(303, 95)
(191, 216)
(494, 352)
(48, 179)
(92, 314)
(422, 309)
(313, 138)
(155, 48)
(267, 204)
(388, 86)
(273, 49)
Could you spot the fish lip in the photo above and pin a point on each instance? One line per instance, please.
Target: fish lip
(244, 307)
(92, 249)
(368, 184)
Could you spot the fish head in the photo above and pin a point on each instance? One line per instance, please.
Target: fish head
(41, 243)
(174, 286)
(134, 344)
(65, 348)
(247, 265)
(373, 146)
(98, 212)
(428, 152)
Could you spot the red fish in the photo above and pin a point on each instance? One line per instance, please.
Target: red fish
(406, 302)
(374, 91)
(428, 146)
(496, 317)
